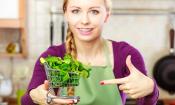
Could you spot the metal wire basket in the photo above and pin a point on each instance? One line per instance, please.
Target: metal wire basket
(56, 80)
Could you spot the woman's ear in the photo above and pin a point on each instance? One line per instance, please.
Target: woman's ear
(107, 17)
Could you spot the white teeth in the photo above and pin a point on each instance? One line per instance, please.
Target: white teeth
(85, 29)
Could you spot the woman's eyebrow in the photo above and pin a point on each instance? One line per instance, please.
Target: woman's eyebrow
(95, 7)
(74, 7)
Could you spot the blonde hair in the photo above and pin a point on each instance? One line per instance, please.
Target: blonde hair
(70, 42)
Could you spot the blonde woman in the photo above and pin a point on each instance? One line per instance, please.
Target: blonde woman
(118, 69)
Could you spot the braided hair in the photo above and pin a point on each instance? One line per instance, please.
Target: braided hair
(70, 48)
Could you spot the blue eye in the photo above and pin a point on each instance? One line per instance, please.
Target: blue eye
(95, 12)
(76, 11)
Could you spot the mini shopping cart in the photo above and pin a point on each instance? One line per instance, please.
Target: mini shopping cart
(57, 80)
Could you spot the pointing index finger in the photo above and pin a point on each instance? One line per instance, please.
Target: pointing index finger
(114, 81)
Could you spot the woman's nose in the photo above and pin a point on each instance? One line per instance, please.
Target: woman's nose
(85, 19)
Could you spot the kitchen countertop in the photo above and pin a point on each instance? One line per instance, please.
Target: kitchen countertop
(10, 100)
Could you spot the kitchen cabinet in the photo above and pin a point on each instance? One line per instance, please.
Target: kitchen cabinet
(13, 28)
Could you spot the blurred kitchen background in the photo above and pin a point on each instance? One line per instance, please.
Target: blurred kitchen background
(29, 27)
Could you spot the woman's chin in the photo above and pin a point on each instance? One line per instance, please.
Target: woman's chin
(85, 39)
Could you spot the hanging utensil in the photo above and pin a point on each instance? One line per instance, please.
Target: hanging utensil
(51, 31)
(164, 69)
(62, 31)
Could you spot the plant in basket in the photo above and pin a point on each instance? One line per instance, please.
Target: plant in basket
(64, 72)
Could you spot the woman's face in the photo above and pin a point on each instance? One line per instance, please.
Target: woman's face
(86, 18)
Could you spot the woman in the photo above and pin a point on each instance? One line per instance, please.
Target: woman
(117, 66)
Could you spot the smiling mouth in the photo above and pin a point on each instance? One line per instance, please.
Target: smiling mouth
(85, 31)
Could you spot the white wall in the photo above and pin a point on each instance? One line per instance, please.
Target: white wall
(148, 33)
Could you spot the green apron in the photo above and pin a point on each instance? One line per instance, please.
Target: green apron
(90, 90)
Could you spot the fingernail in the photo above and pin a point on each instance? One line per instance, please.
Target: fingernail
(102, 83)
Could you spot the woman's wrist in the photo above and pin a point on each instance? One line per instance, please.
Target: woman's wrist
(37, 97)
(33, 96)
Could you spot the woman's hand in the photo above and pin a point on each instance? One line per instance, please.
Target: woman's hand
(136, 85)
(38, 96)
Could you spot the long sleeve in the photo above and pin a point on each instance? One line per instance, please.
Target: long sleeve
(39, 74)
(37, 79)
(121, 51)
(26, 100)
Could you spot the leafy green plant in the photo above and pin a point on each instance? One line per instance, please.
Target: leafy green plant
(66, 71)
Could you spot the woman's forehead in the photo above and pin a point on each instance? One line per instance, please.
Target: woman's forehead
(79, 3)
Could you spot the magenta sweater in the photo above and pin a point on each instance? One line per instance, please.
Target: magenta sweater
(120, 50)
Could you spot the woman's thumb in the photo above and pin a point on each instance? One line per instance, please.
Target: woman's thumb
(129, 63)
(46, 84)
